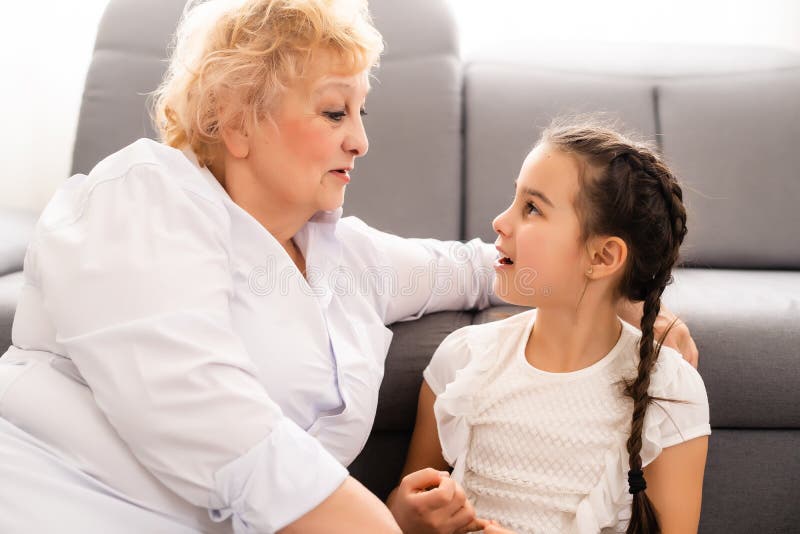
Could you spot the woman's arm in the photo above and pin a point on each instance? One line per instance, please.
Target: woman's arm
(137, 282)
(351, 508)
(422, 276)
(675, 485)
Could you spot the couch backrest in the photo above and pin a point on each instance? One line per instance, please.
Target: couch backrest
(727, 119)
(409, 183)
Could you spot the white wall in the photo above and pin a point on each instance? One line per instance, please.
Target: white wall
(770, 23)
(44, 59)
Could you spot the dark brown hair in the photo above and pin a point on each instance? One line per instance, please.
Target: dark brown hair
(626, 190)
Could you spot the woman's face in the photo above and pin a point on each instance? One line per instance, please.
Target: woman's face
(539, 234)
(301, 159)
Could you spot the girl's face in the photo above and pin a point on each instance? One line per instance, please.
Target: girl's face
(542, 258)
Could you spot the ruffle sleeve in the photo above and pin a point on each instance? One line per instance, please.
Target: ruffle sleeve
(456, 375)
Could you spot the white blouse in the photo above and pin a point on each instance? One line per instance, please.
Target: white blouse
(216, 372)
(546, 452)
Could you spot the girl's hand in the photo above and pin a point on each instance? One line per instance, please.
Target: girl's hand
(430, 502)
(493, 528)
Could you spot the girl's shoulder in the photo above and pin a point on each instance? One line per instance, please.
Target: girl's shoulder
(679, 410)
(479, 345)
(671, 377)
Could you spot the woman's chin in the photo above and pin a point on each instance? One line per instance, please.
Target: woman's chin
(332, 203)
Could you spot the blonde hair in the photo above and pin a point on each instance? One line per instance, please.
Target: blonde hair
(233, 58)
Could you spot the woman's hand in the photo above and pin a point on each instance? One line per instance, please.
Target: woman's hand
(430, 502)
(679, 337)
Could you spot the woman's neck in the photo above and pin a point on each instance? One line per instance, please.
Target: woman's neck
(564, 340)
(276, 215)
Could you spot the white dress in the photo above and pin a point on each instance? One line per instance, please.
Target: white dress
(170, 361)
(543, 452)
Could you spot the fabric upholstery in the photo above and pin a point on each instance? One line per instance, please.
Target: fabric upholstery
(742, 202)
(10, 288)
(16, 228)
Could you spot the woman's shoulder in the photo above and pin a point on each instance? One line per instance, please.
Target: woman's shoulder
(145, 172)
(148, 159)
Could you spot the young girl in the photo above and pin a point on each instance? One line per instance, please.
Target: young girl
(564, 418)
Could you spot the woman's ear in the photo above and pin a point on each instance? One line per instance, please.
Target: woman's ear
(236, 140)
(607, 256)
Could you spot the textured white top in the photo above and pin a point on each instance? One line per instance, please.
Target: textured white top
(545, 452)
(165, 322)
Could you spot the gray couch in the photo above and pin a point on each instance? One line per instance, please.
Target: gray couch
(447, 139)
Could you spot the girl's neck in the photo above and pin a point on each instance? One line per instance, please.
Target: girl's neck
(564, 340)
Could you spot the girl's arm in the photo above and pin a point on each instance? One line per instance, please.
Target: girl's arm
(425, 449)
(427, 500)
(675, 485)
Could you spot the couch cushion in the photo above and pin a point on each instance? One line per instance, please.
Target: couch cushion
(16, 228)
(733, 141)
(413, 345)
(745, 324)
(507, 105)
(10, 288)
(409, 182)
(742, 464)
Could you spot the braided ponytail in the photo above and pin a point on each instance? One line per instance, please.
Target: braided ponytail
(643, 514)
(633, 195)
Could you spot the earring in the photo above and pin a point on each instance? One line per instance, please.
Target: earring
(590, 271)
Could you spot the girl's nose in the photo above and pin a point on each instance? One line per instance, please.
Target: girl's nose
(500, 224)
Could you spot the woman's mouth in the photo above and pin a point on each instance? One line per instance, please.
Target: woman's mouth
(343, 174)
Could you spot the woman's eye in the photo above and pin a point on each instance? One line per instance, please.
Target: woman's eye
(531, 208)
(363, 112)
(335, 116)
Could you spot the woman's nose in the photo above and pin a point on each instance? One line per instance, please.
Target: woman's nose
(356, 141)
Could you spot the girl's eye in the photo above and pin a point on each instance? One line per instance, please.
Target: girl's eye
(335, 116)
(531, 208)
(363, 112)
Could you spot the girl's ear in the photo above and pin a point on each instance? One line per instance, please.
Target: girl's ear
(607, 256)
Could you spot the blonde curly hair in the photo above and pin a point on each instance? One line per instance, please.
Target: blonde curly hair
(232, 59)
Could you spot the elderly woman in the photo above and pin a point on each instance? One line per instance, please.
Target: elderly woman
(185, 359)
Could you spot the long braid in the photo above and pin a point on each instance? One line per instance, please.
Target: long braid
(632, 195)
(643, 514)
